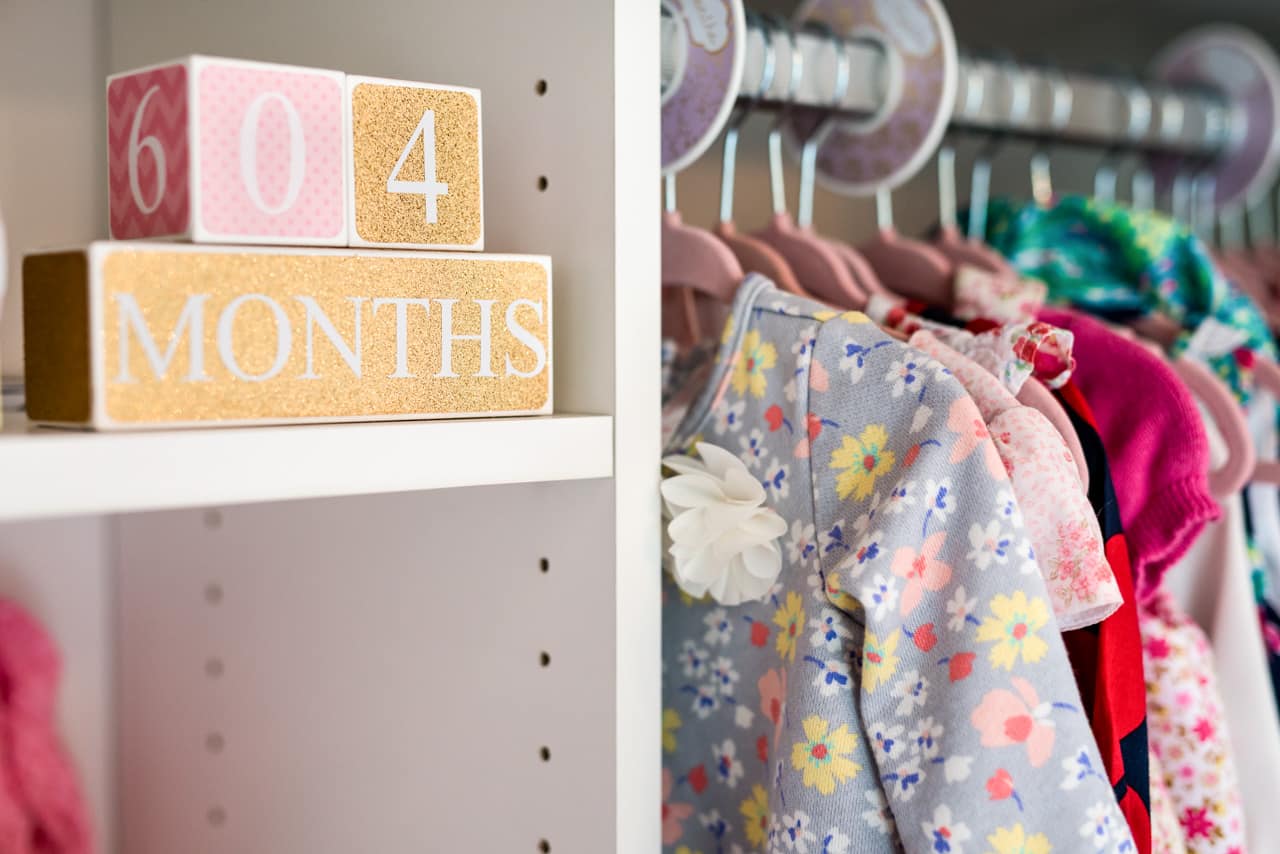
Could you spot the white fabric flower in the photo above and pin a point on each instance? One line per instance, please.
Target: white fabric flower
(723, 539)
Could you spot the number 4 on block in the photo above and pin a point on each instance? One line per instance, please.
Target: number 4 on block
(414, 165)
(228, 151)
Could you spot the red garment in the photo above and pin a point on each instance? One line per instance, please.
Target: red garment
(1107, 657)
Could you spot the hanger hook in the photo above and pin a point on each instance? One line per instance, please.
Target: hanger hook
(776, 185)
(729, 160)
(1204, 210)
(1139, 104)
(809, 151)
(975, 91)
(1059, 117)
(980, 180)
(1135, 110)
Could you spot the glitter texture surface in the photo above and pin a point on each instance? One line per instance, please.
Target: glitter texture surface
(384, 118)
(344, 286)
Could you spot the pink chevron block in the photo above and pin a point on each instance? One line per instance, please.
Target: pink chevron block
(147, 153)
(228, 151)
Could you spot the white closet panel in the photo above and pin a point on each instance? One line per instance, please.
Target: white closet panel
(365, 674)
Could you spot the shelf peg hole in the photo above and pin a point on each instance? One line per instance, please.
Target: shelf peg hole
(544, 565)
(540, 87)
(213, 593)
(543, 183)
(214, 668)
(214, 742)
(544, 846)
(216, 816)
(213, 519)
(545, 753)
(544, 659)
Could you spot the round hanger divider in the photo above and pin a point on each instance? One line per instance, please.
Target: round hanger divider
(711, 41)
(1240, 66)
(860, 156)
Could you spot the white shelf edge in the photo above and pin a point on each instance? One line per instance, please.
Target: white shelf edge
(49, 473)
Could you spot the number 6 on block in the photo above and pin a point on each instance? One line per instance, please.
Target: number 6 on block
(227, 151)
(414, 165)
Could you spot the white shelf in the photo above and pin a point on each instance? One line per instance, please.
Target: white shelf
(48, 472)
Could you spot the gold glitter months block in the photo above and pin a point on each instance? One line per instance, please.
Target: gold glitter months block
(132, 335)
(414, 161)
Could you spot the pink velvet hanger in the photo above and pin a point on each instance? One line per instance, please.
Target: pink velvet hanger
(908, 267)
(958, 249)
(1241, 464)
(694, 260)
(818, 268)
(752, 253)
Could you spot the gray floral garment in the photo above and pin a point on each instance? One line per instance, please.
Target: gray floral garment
(903, 685)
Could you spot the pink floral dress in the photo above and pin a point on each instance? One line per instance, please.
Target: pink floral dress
(1064, 533)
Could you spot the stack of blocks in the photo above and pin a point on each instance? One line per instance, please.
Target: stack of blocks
(244, 158)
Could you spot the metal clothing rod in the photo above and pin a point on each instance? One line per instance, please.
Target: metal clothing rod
(998, 96)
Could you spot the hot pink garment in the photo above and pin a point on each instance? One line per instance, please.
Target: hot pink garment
(1155, 443)
(41, 808)
(1065, 535)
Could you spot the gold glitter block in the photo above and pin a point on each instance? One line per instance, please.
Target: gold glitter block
(124, 335)
(414, 165)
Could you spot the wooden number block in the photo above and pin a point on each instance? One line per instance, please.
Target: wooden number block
(133, 335)
(227, 151)
(415, 165)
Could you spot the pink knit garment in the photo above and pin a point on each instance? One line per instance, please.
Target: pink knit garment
(41, 807)
(1155, 443)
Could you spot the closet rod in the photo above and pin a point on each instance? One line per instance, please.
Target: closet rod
(997, 96)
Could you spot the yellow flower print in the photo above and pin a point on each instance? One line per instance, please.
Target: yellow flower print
(753, 360)
(824, 316)
(879, 660)
(670, 726)
(837, 596)
(790, 622)
(855, 317)
(1012, 625)
(728, 331)
(685, 849)
(1014, 840)
(863, 460)
(824, 756)
(755, 811)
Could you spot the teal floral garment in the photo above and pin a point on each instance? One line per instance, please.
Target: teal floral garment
(902, 685)
(1118, 263)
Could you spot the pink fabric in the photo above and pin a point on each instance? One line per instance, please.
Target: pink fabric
(1188, 733)
(1166, 832)
(979, 294)
(41, 808)
(1013, 352)
(1155, 443)
(1065, 536)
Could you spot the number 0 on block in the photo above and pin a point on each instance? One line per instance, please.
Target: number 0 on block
(415, 161)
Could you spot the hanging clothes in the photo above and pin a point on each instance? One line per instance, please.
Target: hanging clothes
(1119, 262)
(903, 682)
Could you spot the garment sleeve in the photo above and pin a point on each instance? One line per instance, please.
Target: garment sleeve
(980, 739)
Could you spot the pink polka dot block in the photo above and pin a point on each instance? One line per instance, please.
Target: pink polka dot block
(228, 151)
